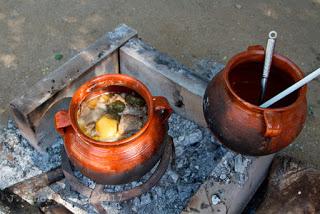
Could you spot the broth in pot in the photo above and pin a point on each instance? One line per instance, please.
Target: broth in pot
(112, 116)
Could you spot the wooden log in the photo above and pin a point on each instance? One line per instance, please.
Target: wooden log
(31, 109)
(49, 194)
(27, 189)
(12, 203)
(292, 187)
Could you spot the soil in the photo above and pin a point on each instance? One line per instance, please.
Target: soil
(38, 36)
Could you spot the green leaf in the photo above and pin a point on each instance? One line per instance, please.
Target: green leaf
(58, 56)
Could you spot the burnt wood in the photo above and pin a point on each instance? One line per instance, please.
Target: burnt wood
(27, 189)
(166, 77)
(12, 203)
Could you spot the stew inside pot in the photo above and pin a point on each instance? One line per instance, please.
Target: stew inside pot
(111, 116)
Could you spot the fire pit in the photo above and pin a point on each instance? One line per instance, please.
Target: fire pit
(201, 162)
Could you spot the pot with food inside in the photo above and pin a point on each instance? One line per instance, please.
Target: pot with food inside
(115, 130)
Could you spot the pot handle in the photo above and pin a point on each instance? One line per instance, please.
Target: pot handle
(273, 123)
(255, 48)
(61, 121)
(162, 105)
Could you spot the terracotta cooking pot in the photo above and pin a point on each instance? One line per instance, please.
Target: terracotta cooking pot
(121, 161)
(231, 104)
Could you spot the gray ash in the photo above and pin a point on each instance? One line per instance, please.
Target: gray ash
(19, 161)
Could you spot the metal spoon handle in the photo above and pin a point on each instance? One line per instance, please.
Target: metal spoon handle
(291, 89)
(267, 61)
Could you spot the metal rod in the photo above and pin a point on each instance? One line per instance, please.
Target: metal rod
(291, 89)
(267, 62)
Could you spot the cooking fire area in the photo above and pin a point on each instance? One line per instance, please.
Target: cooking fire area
(190, 172)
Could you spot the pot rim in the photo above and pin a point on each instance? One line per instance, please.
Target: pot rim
(122, 81)
(254, 55)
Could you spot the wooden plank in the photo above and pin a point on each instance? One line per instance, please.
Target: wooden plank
(235, 197)
(48, 194)
(43, 116)
(30, 109)
(166, 77)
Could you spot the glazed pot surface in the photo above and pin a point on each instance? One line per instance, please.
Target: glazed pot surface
(231, 104)
(120, 161)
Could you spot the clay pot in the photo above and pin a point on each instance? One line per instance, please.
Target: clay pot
(121, 161)
(231, 104)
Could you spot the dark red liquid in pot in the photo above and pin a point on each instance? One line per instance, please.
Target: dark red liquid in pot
(245, 80)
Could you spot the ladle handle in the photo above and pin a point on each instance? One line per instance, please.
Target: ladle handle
(291, 89)
(162, 105)
(61, 121)
(267, 62)
(273, 123)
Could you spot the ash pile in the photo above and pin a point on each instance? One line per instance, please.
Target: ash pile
(19, 161)
(198, 157)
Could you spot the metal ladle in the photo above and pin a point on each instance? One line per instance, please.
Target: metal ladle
(267, 62)
(291, 89)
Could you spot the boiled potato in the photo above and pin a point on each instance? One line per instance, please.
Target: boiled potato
(92, 103)
(104, 98)
(106, 127)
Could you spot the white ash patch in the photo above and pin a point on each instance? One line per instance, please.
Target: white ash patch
(215, 199)
(19, 161)
(232, 168)
(119, 33)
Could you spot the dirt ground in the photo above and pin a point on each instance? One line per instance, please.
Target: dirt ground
(33, 31)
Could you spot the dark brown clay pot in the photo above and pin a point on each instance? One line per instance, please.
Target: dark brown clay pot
(120, 161)
(231, 104)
